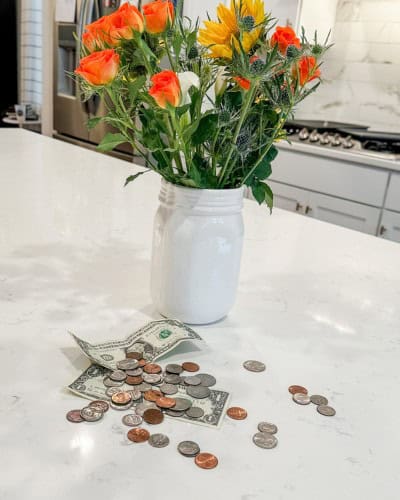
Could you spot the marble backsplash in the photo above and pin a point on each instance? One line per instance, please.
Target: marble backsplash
(361, 71)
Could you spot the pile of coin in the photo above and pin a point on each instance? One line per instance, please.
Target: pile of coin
(265, 437)
(204, 460)
(301, 397)
(91, 413)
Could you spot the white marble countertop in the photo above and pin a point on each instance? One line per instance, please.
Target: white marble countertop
(317, 303)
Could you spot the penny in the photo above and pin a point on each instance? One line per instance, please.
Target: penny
(254, 366)
(192, 380)
(131, 420)
(301, 399)
(182, 404)
(152, 368)
(142, 407)
(143, 387)
(151, 378)
(188, 448)
(135, 372)
(152, 395)
(173, 413)
(198, 391)
(112, 390)
(206, 460)
(236, 413)
(153, 416)
(159, 440)
(171, 378)
(190, 366)
(265, 440)
(134, 355)
(195, 412)
(138, 435)
(174, 368)
(121, 407)
(74, 416)
(100, 405)
(91, 414)
(127, 364)
(142, 362)
(325, 410)
(168, 389)
(135, 394)
(118, 375)
(112, 383)
(206, 379)
(318, 400)
(121, 398)
(134, 380)
(267, 427)
(165, 402)
(295, 389)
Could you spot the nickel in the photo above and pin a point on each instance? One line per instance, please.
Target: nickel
(254, 366)
(265, 440)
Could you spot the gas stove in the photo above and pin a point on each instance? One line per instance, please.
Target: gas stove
(344, 136)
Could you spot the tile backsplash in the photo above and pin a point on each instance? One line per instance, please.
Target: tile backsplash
(361, 71)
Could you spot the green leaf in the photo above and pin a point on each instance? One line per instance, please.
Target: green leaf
(263, 194)
(269, 197)
(135, 85)
(263, 170)
(133, 177)
(110, 141)
(205, 130)
(92, 122)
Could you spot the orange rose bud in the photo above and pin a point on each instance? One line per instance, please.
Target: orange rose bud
(306, 70)
(124, 22)
(166, 88)
(90, 41)
(283, 37)
(158, 16)
(99, 33)
(242, 82)
(99, 68)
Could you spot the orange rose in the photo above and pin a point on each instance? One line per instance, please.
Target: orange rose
(90, 41)
(158, 16)
(242, 82)
(306, 69)
(98, 34)
(166, 88)
(99, 68)
(124, 22)
(283, 37)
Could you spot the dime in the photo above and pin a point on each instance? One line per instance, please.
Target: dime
(206, 379)
(118, 407)
(174, 368)
(142, 407)
(165, 402)
(190, 366)
(143, 387)
(142, 362)
(112, 390)
(134, 380)
(118, 375)
(318, 400)
(131, 420)
(152, 368)
(100, 405)
(159, 440)
(206, 460)
(135, 394)
(138, 435)
(171, 378)
(267, 427)
(153, 416)
(295, 389)
(127, 364)
(74, 416)
(325, 410)
(121, 398)
(134, 355)
(91, 414)
(168, 389)
(173, 413)
(188, 448)
(151, 378)
(236, 413)
(135, 372)
(182, 404)
(254, 366)
(301, 399)
(193, 380)
(195, 412)
(198, 391)
(265, 440)
(152, 395)
(111, 383)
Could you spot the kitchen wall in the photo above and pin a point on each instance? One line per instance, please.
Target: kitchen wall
(362, 70)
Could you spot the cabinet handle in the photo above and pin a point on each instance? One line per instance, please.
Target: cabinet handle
(308, 209)
(298, 207)
(382, 230)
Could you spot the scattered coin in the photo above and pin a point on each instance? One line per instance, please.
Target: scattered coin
(165, 402)
(100, 405)
(91, 414)
(143, 387)
(142, 407)
(198, 391)
(173, 413)
(171, 378)
(301, 399)
(267, 427)
(153, 416)
(152, 395)
(182, 404)
(318, 400)
(195, 412)
(135, 394)
(112, 383)
(132, 419)
(325, 410)
(152, 368)
(112, 390)
(168, 389)
(295, 389)
(138, 435)
(206, 460)
(134, 355)
(193, 380)
(134, 380)
(188, 448)
(118, 407)
(159, 440)
(74, 416)
(121, 398)
(142, 362)
(174, 368)
(134, 373)
(127, 364)
(206, 379)
(190, 366)
(118, 375)
(236, 413)
(265, 440)
(151, 378)
(254, 366)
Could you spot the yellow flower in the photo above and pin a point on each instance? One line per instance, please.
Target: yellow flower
(220, 35)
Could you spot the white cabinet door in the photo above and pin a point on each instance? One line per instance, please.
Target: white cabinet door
(393, 194)
(390, 226)
(289, 198)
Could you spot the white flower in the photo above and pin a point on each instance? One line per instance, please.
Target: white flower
(221, 81)
(187, 79)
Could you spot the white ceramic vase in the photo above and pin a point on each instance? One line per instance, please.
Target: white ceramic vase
(197, 247)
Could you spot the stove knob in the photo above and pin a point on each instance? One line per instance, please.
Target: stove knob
(336, 141)
(348, 142)
(325, 139)
(303, 134)
(314, 137)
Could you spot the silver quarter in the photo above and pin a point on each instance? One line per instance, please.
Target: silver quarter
(265, 440)
(193, 380)
(182, 404)
(206, 379)
(121, 407)
(135, 394)
(100, 405)
(301, 399)
(111, 383)
(159, 440)
(188, 448)
(174, 368)
(132, 420)
(254, 366)
(142, 407)
(118, 375)
(173, 413)
(198, 391)
(127, 364)
(143, 387)
(151, 378)
(112, 390)
(195, 412)
(91, 414)
(325, 410)
(171, 378)
(318, 400)
(267, 427)
(168, 389)
(134, 373)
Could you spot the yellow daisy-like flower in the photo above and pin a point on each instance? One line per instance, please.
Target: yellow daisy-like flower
(220, 35)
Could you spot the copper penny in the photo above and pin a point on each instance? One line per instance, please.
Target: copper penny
(121, 398)
(153, 416)
(134, 380)
(138, 435)
(152, 368)
(295, 389)
(236, 413)
(206, 460)
(134, 355)
(190, 367)
(152, 395)
(142, 362)
(165, 402)
(74, 416)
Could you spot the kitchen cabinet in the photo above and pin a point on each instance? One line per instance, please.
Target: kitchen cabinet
(389, 228)
(393, 194)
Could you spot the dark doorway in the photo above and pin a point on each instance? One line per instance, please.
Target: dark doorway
(9, 85)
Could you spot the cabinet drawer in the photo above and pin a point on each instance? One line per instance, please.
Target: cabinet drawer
(393, 195)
